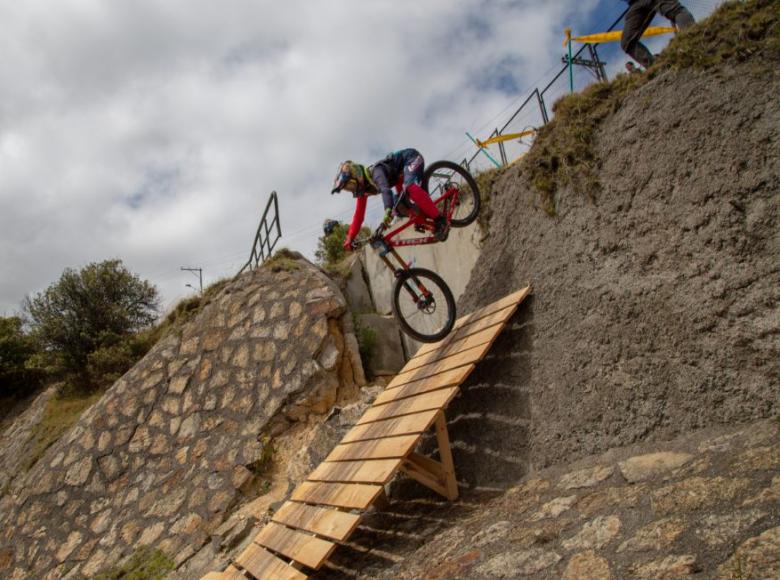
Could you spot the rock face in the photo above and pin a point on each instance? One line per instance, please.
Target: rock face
(715, 516)
(165, 454)
(654, 310)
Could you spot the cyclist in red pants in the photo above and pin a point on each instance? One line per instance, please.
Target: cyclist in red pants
(402, 169)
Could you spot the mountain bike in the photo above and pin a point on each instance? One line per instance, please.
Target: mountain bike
(422, 301)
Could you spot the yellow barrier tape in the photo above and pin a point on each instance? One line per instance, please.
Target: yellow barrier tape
(507, 137)
(615, 35)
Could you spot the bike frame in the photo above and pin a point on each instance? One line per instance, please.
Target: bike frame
(418, 219)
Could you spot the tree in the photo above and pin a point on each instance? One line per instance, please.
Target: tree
(93, 310)
(17, 376)
(330, 247)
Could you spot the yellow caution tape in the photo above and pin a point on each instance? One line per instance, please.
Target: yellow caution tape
(615, 35)
(507, 137)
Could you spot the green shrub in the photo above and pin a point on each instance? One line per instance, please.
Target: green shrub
(330, 247)
(144, 564)
(367, 341)
(20, 374)
(330, 253)
(97, 307)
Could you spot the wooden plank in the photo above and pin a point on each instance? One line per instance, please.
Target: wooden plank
(232, 573)
(508, 300)
(435, 400)
(467, 330)
(472, 355)
(344, 495)
(489, 334)
(326, 522)
(451, 378)
(466, 324)
(262, 564)
(417, 423)
(362, 471)
(215, 576)
(376, 449)
(309, 550)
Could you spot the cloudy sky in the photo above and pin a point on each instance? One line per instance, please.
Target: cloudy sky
(154, 131)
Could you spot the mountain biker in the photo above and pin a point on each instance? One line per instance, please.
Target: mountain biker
(402, 169)
(639, 16)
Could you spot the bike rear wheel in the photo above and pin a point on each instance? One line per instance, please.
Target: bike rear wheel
(441, 175)
(423, 305)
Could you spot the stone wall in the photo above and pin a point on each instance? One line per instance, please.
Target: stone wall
(167, 453)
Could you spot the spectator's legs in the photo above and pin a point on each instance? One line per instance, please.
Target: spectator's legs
(677, 13)
(636, 21)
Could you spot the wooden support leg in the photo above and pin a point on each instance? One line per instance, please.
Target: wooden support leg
(440, 477)
(443, 439)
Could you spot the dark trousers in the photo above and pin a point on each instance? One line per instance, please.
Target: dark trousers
(639, 16)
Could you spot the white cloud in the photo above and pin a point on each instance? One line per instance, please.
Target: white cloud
(154, 131)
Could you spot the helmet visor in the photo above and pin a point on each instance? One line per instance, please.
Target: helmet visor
(350, 184)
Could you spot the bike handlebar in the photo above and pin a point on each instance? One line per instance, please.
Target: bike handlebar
(377, 235)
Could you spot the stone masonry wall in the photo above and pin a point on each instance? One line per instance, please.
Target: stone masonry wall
(163, 457)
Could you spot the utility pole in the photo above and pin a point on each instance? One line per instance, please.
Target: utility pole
(200, 276)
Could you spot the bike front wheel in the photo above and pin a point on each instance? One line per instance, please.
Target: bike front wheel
(440, 176)
(423, 305)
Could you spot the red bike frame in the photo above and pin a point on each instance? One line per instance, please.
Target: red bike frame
(450, 200)
(419, 219)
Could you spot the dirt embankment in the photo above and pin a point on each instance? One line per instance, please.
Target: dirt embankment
(655, 307)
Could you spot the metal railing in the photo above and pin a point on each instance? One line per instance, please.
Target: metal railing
(263, 245)
(537, 98)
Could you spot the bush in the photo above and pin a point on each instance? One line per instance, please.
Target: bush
(97, 308)
(19, 372)
(367, 339)
(330, 247)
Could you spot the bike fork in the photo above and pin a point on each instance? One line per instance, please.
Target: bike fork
(422, 289)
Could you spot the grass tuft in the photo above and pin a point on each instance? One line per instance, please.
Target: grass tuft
(144, 564)
(61, 413)
(283, 260)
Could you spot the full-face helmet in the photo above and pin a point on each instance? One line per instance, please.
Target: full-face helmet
(352, 177)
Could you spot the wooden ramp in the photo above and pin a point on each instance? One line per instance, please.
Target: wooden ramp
(326, 508)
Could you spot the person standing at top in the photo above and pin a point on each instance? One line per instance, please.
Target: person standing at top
(639, 16)
(402, 169)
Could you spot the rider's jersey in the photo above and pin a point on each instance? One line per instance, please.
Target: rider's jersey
(399, 170)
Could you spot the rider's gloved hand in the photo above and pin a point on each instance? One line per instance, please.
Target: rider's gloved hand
(348, 244)
(388, 217)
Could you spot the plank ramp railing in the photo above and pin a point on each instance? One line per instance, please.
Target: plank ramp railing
(324, 510)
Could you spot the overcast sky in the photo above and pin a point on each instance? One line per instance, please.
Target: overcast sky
(154, 131)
